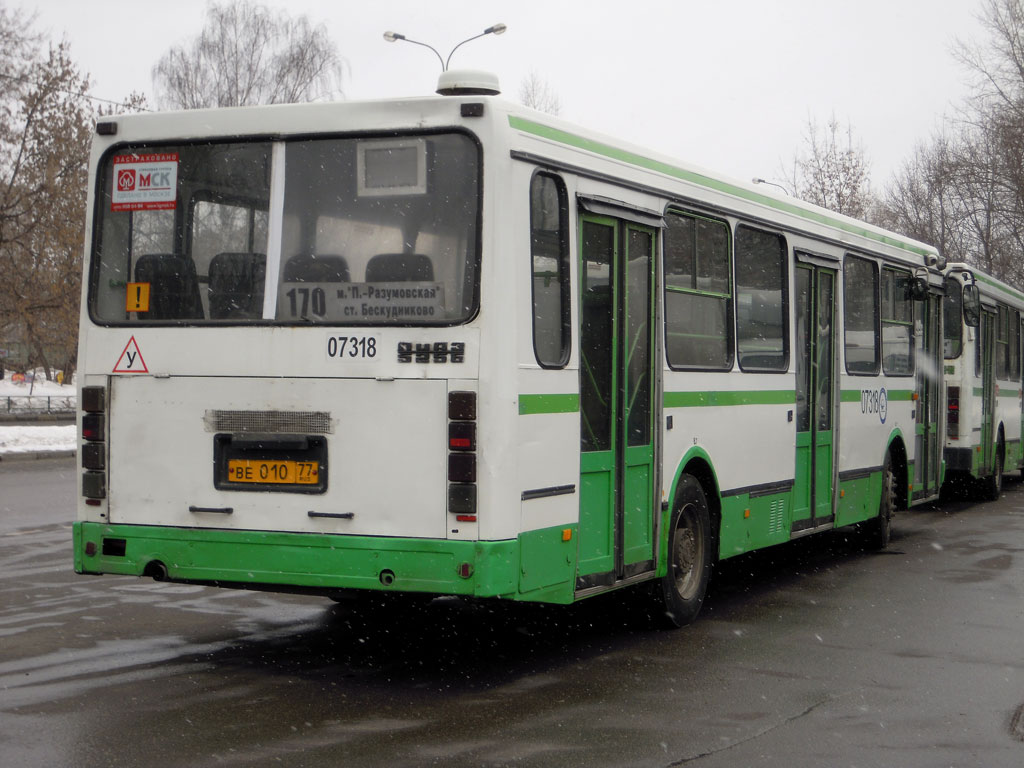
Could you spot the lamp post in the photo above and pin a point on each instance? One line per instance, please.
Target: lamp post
(495, 29)
(759, 180)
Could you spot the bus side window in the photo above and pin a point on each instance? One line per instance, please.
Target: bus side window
(1007, 353)
(1015, 345)
(860, 319)
(698, 293)
(897, 323)
(549, 257)
(762, 338)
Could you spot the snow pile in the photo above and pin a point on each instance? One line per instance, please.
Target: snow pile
(22, 438)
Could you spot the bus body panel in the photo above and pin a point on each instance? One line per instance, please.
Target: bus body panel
(387, 449)
(402, 419)
(974, 438)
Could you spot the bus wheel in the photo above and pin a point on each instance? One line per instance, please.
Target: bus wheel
(689, 555)
(879, 530)
(993, 486)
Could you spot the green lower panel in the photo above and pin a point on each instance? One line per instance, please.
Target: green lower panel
(858, 499)
(752, 523)
(335, 562)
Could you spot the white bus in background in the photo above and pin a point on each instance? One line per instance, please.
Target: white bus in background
(449, 345)
(982, 350)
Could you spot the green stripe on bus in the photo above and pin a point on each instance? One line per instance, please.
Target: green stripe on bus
(701, 399)
(998, 286)
(529, 404)
(895, 395)
(622, 155)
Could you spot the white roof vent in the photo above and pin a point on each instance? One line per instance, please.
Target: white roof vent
(468, 82)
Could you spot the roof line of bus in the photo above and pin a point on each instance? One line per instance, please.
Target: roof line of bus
(795, 207)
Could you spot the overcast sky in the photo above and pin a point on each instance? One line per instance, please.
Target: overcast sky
(728, 85)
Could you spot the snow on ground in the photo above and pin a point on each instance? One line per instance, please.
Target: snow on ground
(33, 438)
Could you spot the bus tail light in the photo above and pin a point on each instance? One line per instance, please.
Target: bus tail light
(462, 456)
(953, 413)
(93, 446)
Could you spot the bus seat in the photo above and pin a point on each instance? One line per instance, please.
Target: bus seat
(315, 268)
(399, 268)
(174, 288)
(236, 285)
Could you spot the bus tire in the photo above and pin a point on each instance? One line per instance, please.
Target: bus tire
(689, 555)
(992, 487)
(879, 530)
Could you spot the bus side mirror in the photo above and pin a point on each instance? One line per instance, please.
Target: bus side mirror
(917, 288)
(972, 305)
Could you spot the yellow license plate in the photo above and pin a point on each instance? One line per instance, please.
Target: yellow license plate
(284, 472)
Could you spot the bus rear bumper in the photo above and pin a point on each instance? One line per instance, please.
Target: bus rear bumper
(311, 562)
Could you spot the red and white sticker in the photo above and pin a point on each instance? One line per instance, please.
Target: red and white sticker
(145, 182)
(131, 360)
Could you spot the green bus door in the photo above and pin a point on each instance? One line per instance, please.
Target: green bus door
(928, 391)
(617, 500)
(815, 375)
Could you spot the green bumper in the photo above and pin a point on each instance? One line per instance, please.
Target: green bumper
(326, 562)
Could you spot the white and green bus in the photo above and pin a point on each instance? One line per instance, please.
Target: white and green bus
(453, 346)
(982, 349)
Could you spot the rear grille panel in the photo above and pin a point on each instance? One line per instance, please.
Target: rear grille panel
(269, 422)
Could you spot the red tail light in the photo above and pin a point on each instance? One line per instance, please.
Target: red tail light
(462, 456)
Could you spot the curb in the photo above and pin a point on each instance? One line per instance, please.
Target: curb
(9, 419)
(35, 455)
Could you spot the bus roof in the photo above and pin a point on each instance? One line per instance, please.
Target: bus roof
(550, 137)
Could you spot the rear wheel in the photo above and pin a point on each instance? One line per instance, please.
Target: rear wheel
(879, 530)
(689, 555)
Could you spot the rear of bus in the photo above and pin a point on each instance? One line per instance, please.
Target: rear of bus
(279, 351)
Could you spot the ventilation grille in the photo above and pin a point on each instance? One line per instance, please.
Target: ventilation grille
(777, 516)
(307, 422)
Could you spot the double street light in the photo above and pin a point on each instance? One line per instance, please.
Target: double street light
(496, 29)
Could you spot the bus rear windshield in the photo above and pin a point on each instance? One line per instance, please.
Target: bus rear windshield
(335, 231)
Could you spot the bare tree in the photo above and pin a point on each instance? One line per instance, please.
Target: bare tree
(44, 149)
(964, 191)
(535, 92)
(46, 122)
(832, 170)
(249, 54)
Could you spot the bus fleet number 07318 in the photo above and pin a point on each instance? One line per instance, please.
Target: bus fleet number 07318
(351, 347)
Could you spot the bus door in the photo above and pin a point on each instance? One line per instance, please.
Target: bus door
(617, 498)
(813, 488)
(986, 356)
(928, 389)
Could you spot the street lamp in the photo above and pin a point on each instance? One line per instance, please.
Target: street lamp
(495, 29)
(759, 180)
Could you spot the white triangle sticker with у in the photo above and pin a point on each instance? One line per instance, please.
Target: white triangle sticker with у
(131, 360)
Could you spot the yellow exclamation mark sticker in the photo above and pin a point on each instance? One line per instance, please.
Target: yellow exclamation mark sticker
(136, 297)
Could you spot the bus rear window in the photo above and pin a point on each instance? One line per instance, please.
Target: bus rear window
(335, 231)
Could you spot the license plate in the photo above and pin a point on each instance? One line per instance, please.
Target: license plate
(282, 472)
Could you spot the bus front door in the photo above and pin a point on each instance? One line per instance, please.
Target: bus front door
(927, 466)
(987, 340)
(815, 384)
(617, 499)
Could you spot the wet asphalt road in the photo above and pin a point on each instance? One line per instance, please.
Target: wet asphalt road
(813, 654)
